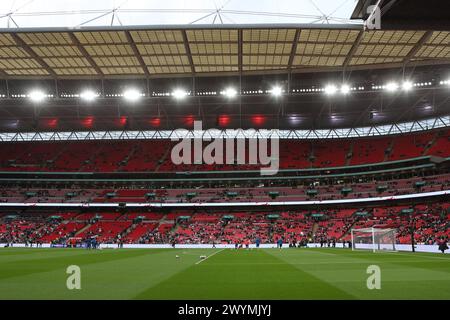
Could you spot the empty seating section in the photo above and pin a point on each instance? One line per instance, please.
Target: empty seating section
(109, 216)
(146, 155)
(109, 156)
(330, 153)
(173, 216)
(154, 155)
(74, 156)
(137, 231)
(369, 150)
(406, 147)
(25, 156)
(143, 215)
(441, 146)
(295, 154)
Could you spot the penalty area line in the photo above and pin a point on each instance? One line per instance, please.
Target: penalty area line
(198, 262)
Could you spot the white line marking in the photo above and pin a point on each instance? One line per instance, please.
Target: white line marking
(315, 263)
(210, 256)
(411, 254)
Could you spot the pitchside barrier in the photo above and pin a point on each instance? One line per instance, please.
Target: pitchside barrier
(398, 247)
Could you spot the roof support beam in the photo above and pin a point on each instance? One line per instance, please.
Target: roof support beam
(85, 54)
(294, 49)
(352, 51)
(3, 74)
(427, 35)
(319, 69)
(136, 53)
(188, 51)
(407, 111)
(240, 36)
(386, 7)
(33, 54)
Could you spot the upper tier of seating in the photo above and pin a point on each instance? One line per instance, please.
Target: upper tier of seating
(154, 155)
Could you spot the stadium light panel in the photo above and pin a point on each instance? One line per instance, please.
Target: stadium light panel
(345, 89)
(223, 120)
(407, 85)
(230, 92)
(276, 91)
(132, 95)
(391, 86)
(294, 119)
(179, 94)
(88, 95)
(330, 89)
(37, 96)
(258, 120)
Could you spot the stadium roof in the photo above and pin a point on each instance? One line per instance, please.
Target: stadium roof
(203, 59)
(174, 50)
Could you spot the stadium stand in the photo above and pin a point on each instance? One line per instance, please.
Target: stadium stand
(218, 194)
(154, 155)
(187, 227)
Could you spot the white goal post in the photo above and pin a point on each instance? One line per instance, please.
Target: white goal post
(375, 239)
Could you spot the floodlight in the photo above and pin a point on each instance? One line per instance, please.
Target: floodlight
(179, 93)
(330, 89)
(37, 96)
(345, 89)
(391, 86)
(132, 95)
(407, 85)
(88, 95)
(276, 91)
(229, 92)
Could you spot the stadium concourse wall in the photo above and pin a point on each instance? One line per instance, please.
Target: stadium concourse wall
(227, 204)
(398, 247)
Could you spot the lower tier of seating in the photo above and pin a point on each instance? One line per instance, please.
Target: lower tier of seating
(431, 222)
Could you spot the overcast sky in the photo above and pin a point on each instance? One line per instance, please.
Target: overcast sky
(71, 13)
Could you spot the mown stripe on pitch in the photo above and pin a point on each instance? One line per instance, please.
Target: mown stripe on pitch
(214, 280)
(414, 280)
(45, 264)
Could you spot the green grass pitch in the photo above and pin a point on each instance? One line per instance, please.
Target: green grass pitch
(226, 274)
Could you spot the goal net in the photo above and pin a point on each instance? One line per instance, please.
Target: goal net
(375, 239)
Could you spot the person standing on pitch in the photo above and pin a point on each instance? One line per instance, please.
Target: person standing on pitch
(442, 245)
(280, 243)
(257, 242)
